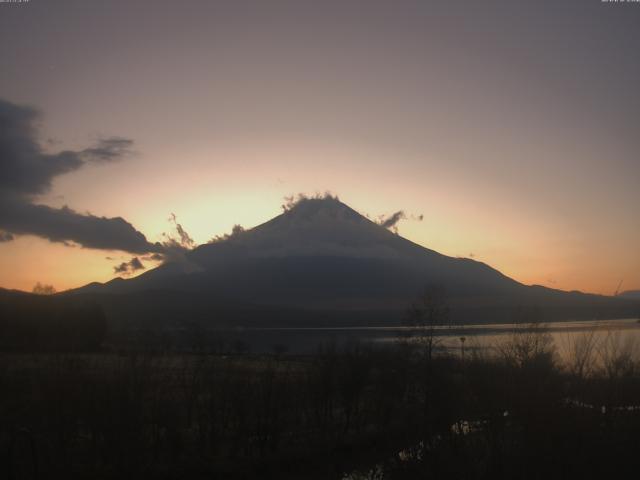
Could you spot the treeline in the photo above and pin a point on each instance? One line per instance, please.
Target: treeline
(400, 412)
(42, 323)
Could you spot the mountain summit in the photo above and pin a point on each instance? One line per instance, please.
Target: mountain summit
(316, 227)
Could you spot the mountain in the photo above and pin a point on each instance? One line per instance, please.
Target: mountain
(30, 322)
(631, 294)
(322, 262)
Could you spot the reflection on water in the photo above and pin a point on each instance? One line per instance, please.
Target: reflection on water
(569, 338)
(479, 338)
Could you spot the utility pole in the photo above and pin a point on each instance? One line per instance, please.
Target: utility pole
(618, 289)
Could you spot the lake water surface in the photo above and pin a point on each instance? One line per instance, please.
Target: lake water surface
(621, 333)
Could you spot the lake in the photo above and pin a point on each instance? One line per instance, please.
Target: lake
(621, 333)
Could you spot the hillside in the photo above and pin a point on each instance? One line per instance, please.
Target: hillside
(323, 258)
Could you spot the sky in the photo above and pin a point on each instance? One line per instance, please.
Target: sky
(512, 126)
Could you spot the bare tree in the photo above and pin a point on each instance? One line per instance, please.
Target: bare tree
(579, 351)
(528, 345)
(43, 289)
(425, 315)
(617, 354)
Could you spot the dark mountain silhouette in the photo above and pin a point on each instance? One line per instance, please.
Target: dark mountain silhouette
(322, 262)
(632, 294)
(31, 322)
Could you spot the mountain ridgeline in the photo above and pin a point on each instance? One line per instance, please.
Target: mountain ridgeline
(321, 263)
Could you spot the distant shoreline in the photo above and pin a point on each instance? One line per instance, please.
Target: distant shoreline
(467, 329)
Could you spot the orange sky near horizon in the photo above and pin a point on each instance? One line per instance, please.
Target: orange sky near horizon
(511, 126)
(526, 248)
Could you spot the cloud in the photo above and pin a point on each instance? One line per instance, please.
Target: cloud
(292, 200)
(5, 237)
(129, 267)
(236, 231)
(175, 249)
(184, 240)
(108, 150)
(27, 171)
(64, 224)
(391, 221)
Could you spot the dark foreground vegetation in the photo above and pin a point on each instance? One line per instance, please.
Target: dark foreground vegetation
(356, 412)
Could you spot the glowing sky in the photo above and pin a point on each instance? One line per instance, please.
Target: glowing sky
(512, 126)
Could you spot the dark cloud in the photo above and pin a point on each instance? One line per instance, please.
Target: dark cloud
(236, 231)
(27, 171)
(122, 268)
(175, 249)
(292, 200)
(184, 240)
(108, 149)
(136, 264)
(129, 267)
(64, 224)
(392, 220)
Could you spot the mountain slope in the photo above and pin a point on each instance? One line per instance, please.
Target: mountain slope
(630, 294)
(324, 245)
(323, 256)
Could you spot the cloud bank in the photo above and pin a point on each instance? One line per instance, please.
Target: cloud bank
(27, 171)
